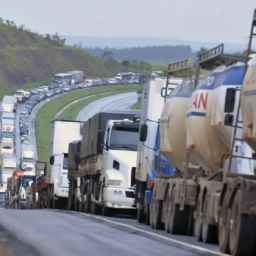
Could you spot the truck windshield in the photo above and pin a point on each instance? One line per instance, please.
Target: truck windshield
(18, 93)
(125, 138)
(28, 160)
(58, 79)
(25, 180)
(7, 134)
(65, 162)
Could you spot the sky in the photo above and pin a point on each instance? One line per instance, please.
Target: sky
(204, 20)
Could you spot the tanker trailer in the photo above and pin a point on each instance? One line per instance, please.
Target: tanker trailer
(180, 193)
(209, 140)
(241, 210)
(173, 118)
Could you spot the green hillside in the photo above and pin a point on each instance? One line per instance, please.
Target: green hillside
(28, 57)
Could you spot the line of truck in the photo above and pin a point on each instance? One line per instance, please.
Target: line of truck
(186, 163)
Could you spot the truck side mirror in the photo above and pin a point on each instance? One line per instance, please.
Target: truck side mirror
(52, 160)
(77, 157)
(100, 139)
(143, 132)
(229, 118)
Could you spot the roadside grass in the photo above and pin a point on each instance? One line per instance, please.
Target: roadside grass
(12, 89)
(46, 114)
(138, 104)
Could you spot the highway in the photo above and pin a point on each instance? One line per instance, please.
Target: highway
(56, 232)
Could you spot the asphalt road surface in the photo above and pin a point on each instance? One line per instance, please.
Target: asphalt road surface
(52, 232)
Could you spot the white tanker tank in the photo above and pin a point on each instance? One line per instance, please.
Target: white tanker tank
(172, 122)
(248, 105)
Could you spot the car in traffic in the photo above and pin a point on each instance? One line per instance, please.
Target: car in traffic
(24, 137)
(27, 108)
(26, 141)
(24, 113)
(67, 89)
(24, 130)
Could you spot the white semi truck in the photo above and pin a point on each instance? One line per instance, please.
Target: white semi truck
(27, 157)
(8, 122)
(61, 134)
(20, 96)
(9, 104)
(77, 76)
(8, 165)
(107, 160)
(154, 92)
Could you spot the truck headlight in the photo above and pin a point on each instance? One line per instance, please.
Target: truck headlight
(115, 183)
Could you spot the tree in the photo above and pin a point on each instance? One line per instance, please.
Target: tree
(1, 19)
(56, 37)
(7, 22)
(202, 49)
(75, 46)
(80, 45)
(107, 55)
(63, 40)
(48, 37)
(22, 27)
(12, 23)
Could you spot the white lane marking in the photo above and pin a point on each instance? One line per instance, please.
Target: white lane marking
(198, 248)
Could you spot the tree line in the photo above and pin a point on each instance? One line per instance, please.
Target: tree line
(51, 38)
(147, 53)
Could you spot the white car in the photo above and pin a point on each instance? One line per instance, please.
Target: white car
(26, 142)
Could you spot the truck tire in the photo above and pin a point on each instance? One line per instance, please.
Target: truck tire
(158, 215)
(224, 226)
(152, 213)
(140, 212)
(179, 220)
(87, 202)
(107, 212)
(242, 231)
(147, 219)
(209, 231)
(80, 206)
(198, 218)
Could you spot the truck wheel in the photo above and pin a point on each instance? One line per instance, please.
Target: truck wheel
(179, 220)
(152, 213)
(198, 218)
(209, 231)
(147, 219)
(107, 212)
(158, 215)
(140, 212)
(94, 208)
(224, 226)
(140, 215)
(87, 202)
(70, 197)
(242, 230)
(80, 206)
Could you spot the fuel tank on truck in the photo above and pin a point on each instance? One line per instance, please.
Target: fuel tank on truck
(172, 126)
(208, 139)
(248, 104)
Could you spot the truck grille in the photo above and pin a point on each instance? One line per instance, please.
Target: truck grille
(133, 181)
(130, 194)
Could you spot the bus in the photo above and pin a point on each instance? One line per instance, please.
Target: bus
(62, 79)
